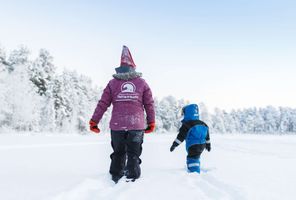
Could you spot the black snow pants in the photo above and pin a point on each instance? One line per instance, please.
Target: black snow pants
(127, 148)
(195, 151)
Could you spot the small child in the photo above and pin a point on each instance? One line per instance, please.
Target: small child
(197, 136)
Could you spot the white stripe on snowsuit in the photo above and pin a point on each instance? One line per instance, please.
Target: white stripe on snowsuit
(178, 141)
(193, 165)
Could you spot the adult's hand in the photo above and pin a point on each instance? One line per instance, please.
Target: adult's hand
(150, 128)
(93, 126)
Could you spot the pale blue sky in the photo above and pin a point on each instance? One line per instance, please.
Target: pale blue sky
(228, 54)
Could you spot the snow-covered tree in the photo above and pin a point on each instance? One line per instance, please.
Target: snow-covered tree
(86, 102)
(284, 123)
(3, 61)
(75, 100)
(42, 72)
(271, 117)
(168, 110)
(42, 75)
(158, 119)
(21, 102)
(34, 97)
(218, 122)
(204, 113)
(229, 122)
(18, 58)
(292, 126)
(3, 88)
(258, 122)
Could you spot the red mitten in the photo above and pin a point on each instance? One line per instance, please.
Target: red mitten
(93, 126)
(150, 128)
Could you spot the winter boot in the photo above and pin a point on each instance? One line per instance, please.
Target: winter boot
(193, 165)
(116, 178)
(133, 168)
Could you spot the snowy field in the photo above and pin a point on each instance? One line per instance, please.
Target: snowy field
(76, 168)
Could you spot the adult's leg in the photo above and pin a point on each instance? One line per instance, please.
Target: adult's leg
(134, 151)
(118, 157)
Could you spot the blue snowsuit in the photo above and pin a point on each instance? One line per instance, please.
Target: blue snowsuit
(196, 134)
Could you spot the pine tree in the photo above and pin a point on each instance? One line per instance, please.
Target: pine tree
(22, 103)
(204, 114)
(42, 72)
(229, 122)
(258, 122)
(168, 111)
(271, 118)
(218, 122)
(42, 75)
(3, 88)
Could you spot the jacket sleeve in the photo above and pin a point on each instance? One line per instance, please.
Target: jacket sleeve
(103, 104)
(183, 131)
(148, 103)
(208, 141)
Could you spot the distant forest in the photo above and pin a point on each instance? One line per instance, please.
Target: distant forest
(34, 97)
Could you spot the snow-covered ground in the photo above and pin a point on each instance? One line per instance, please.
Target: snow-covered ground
(71, 167)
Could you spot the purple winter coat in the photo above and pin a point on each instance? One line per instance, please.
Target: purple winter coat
(129, 99)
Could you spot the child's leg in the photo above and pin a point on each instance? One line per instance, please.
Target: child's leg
(193, 157)
(193, 164)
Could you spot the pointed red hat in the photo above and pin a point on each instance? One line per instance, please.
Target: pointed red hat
(126, 58)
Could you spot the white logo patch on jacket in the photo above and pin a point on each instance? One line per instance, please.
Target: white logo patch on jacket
(128, 87)
(128, 92)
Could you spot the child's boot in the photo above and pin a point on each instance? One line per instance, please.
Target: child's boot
(193, 165)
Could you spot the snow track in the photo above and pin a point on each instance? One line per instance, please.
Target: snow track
(240, 167)
(172, 184)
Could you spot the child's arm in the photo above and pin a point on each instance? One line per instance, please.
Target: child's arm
(180, 137)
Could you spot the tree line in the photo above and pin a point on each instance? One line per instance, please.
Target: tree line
(34, 97)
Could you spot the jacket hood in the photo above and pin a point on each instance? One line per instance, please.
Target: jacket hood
(128, 75)
(190, 112)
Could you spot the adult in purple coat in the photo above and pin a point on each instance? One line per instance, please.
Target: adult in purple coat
(130, 95)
